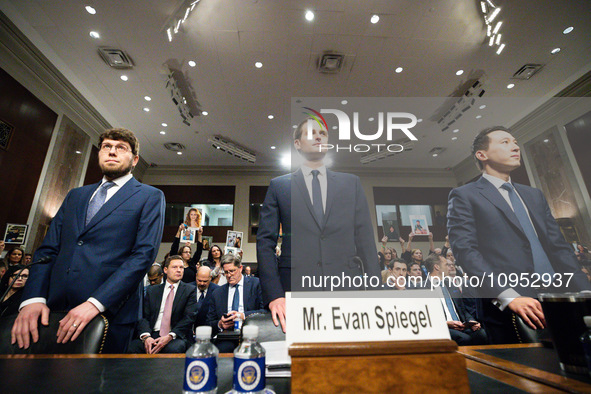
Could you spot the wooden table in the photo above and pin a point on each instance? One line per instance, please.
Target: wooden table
(529, 367)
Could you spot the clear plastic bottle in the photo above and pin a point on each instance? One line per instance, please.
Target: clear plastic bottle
(249, 363)
(201, 364)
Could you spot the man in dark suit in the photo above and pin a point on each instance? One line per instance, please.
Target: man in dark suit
(168, 313)
(238, 298)
(205, 288)
(498, 227)
(326, 226)
(101, 242)
(463, 328)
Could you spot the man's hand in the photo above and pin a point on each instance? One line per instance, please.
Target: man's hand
(455, 325)
(160, 343)
(476, 326)
(149, 343)
(530, 310)
(277, 307)
(227, 322)
(72, 325)
(26, 323)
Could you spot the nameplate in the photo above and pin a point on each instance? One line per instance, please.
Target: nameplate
(365, 316)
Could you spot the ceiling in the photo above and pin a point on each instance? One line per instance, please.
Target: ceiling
(430, 39)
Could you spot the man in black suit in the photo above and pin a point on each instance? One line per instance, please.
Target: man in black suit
(499, 227)
(169, 310)
(205, 288)
(238, 298)
(463, 328)
(324, 216)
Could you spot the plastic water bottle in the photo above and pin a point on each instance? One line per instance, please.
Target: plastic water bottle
(249, 363)
(201, 364)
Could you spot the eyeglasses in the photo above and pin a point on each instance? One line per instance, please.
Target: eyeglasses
(231, 272)
(120, 148)
(21, 276)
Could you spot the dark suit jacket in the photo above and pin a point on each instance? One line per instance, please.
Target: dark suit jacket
(183, 309)
(311, 247)
(218, 305)
(203, 307)
(486, 236)
(106, 259)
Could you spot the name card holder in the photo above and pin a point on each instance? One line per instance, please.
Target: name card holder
(378, 367)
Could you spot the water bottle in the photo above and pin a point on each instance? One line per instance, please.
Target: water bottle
(201, 364)
(249, 363)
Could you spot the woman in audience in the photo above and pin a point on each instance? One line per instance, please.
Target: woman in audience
(415, 255)
(11, 302)
(14, 256)
(185, 252)
(193, 218)
(214, 261)
(384, 256)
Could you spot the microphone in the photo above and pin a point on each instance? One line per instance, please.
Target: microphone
(42, 260)
(357, 260)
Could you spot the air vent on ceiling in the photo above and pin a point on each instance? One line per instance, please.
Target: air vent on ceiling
(331, 63)
(527, 71)
(115, 58)
(174, 146)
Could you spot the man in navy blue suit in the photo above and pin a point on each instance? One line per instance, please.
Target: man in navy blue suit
(326, 226)
(102, 241)
(499, 227)
(205, 288)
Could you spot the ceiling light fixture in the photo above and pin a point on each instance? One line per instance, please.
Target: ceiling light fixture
(498, 40)
(179, 153)
(179, 17)
(494, 14)
(491, 41)
(497, 27)
(146, 109)
(162, 132)
(78, 152)
(555, 51)
(454, 138)
(478, 116)
(90, 10)
(568, 30)
(273, 147)
(419, 120)
(309, 16)
(270, 116)
(233, 149)
(462, 105)
(204, 113)
(192, 63)
(375, 19)
(489, 13)
(483, 106)
(546, 140)
(399, 70)
(500, 49)
(124, 77)
(185, 101)
(459, 72)
(434, 154)
(455, 130)
(344, 102)
(258, 64)
(164, 125)
(483, 7)
(510, 86)
(95, 35)
(147, 98)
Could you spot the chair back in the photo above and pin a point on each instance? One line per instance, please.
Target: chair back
(524, 333)
(267, 330)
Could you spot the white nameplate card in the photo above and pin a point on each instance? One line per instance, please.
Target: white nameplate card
(365, 316)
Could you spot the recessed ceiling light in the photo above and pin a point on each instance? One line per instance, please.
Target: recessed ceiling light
(455, 130)
(146, 109)
(334, 127)
(258, 64)
(478, 116)
(375, 19)
(482, 106)
(94, 34)
(434, 154)
(204, 113)
(78, 152)
(419, 120)
(510, 86)
(399, 70)
(179, 153)
(147, 98)
(294, 126)
(192, 63)
(546, 140)
(459, 72)
(270, 116)
(162, 132)
(555, 51)
(273, 147)
(344, 102)
(90, 10)
(454, 138)
(309, 16)
(370, 119)
(124, 77)
(164, 125)
(568, 30)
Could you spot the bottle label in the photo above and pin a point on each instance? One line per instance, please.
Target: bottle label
(200, 374)
(249, 374)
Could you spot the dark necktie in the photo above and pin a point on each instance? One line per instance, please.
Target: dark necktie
(541, 263)
(201, 297)
(98, 200)
(236, 299)
(450, 304)
(317, 197)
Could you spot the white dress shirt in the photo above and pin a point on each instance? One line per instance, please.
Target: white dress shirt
(308, 177)
(232, 290)
(158, 323)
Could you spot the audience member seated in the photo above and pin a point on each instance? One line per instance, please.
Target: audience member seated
(3, 268)
(14, 256)
(415, 255)
(383, 255)
(247, 270)
(414, 270)
(397, 278)
(153, 277)
(168, 315)
(463, 328)
(28, 259)
(10, 304)
(238, 298)
(205, 288)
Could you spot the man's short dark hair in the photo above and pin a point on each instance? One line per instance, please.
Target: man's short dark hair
(155, 270)
(431, 260)
(482, 140)
(409, 265)
(397, 260)
(170, 258)
(297, 134)
(120, 134)
(231, 259)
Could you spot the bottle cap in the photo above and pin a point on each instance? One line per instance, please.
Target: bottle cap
(203, 332)
(250, 332)
(587, 320)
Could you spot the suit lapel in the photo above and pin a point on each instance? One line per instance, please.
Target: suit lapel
(157, 302)
(298, 179)
(331, 192)
(83, 205)
(129, 189)
(224, 295)
(488, 191)
(246, 295)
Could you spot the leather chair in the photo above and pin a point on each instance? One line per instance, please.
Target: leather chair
(90, 341)
(267, 330)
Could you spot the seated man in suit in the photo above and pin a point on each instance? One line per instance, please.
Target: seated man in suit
(169, 309)
(462, 327)
(205, 288)
(238, 298)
